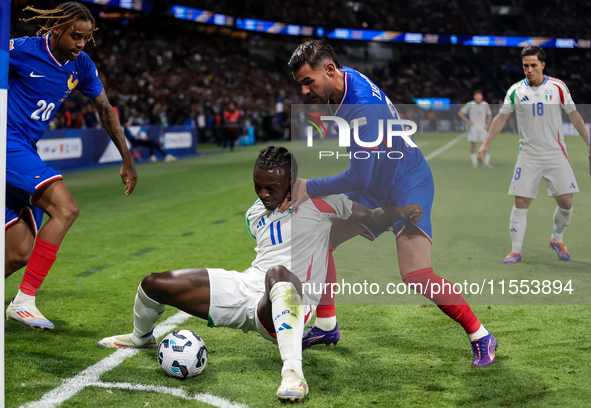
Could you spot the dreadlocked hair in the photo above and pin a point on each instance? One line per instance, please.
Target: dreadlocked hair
(278, 157)
(63, 15)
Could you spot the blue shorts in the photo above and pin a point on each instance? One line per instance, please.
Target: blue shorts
(422, 194)
(25, 174)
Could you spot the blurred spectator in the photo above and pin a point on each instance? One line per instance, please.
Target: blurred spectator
(149, 143)
(231, 126)
(91, 119)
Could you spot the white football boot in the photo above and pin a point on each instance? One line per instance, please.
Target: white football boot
(293, 387)
(125, 341)
(27, 313)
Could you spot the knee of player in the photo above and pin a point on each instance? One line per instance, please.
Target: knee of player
(18, 257)
(566, 203)
(70, 211)
(154, 285)
(278, 273)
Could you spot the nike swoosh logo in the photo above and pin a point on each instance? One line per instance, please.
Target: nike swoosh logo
(32, 75)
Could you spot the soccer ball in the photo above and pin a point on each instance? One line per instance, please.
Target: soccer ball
(182, 354)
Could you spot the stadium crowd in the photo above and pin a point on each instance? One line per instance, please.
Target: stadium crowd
(442, 17)
(494, 17)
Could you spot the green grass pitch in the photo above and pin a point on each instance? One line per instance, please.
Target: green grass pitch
(190, 213)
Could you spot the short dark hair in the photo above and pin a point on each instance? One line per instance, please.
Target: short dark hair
(534, 50)
(477, 91)
(278, 157)
(313, 53)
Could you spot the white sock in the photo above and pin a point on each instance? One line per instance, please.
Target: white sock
(22, 298)
(474, 159)
(561, 220)
(487, 159)
(326, 323)
(288, 319)
(517, 226)
(146, 313)
(478, 334)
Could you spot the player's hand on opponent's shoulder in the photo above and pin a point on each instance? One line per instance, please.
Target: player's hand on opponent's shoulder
(286, 203)
(128, 176)
(299, 194)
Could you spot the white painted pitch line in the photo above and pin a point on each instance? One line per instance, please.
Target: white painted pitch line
(90, 375)
(447, 146)
(177, 392)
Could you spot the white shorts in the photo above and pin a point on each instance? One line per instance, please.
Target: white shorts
(235, 297)
(477, 134)
(528, 175)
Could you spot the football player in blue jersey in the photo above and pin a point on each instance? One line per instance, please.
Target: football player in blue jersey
(43, 71)
(399, 176)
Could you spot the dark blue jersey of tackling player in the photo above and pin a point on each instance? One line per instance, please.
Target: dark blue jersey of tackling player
(378, 176)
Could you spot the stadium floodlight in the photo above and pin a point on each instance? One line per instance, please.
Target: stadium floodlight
(4, 41)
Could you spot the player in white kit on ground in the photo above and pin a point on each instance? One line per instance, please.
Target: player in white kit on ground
(538, 101)
(292, 248)
(477, 115)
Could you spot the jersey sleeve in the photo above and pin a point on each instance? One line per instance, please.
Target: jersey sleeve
(358, 176)
(90, 83)
(334, 206)
(566, 99)
(509, 102)
(17, 52)
(465, 109)
(488, 110)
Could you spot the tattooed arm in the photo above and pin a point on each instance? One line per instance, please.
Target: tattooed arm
(111, 124)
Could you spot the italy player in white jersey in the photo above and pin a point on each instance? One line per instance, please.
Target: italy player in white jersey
(43, 71)
(292, 248)
(477, 115)
(538, 102)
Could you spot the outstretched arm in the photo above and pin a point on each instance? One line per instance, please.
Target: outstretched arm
(385, 216)
(579, 124)
(111, 124)
(488, 120)
(495, 128)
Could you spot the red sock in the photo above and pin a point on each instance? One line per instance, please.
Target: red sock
(326, 306)
(450, 303)
(41, 261)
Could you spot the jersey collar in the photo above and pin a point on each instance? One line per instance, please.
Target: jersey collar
(50, 53)
(346, 81)
(525, 81)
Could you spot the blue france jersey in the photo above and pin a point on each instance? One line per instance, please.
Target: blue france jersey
(39, 84)
(372, 174)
